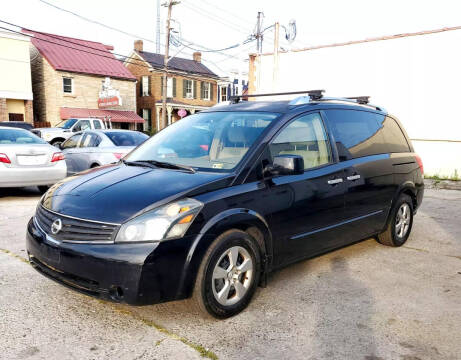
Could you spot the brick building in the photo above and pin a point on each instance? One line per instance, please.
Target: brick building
(15, 79)
(191, 86)
(78, 78)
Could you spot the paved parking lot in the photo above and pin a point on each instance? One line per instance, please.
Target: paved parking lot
(365, 301)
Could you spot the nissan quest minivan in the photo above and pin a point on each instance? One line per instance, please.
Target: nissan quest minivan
(209, 206)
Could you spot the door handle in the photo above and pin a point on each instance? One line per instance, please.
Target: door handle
(353, 177)
(335, 181)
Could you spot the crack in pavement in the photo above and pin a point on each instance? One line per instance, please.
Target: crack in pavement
(204, 352)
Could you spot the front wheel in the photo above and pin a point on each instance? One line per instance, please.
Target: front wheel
(228, 275)
(400, 224)
(57, 143)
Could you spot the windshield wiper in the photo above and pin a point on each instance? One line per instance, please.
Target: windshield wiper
(168, 165)
(139, 163)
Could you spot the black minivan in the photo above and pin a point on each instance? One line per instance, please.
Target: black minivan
(210, 205)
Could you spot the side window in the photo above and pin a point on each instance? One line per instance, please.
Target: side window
(81, 125)
(97, 124)
(90, 140)
(357, 133)
(306, 137)
(393, 134)
(72, 142)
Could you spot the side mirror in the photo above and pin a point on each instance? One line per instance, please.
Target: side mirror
(286, 165)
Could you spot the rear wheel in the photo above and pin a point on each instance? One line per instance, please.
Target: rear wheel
(57, 143)
(228, 275)
(399, 227)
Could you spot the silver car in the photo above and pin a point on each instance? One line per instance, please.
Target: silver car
(27, 160)
(92, 148)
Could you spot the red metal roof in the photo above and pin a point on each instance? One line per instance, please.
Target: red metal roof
(115, 115)
(81, 56)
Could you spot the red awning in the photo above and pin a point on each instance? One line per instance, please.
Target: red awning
(115, 115)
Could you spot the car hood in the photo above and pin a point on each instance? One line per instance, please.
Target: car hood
(115, 193)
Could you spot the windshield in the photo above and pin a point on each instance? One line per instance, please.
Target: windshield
(67, 124)
(19, 136)
(205, 141)
(126, 138)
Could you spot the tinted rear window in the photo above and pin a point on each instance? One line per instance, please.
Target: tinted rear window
(357, 133)
(393, 135)
(125, 138)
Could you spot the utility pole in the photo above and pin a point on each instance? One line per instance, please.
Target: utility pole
(276, 57)
(170, 4)
(259, 46)
(157, 35)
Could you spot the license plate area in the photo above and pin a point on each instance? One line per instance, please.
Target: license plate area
(50, 255)
(30, 160)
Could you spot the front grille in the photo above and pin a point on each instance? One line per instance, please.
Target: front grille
(74, 230)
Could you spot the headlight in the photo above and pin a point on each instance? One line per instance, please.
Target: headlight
(166, 222)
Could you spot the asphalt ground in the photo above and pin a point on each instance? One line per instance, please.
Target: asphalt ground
(365, 301)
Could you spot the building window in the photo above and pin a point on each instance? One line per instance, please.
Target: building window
(206, 90)
(223, 93)
(67, 85)
(189, 89)
(169, 87)
(145, 86)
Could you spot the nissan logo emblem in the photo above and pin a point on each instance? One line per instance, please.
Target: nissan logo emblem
(56, 226)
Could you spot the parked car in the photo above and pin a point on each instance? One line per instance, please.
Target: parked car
(66, 128)
(17, 124)
(27, 160)
(277, 182)
(90, 149)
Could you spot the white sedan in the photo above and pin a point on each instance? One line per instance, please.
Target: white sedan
(27, 160)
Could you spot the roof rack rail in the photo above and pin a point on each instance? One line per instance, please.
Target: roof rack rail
(313, 94)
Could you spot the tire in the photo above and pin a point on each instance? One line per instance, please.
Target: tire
(43, 188)
(57, 143)
(402, 212)
(209, 283)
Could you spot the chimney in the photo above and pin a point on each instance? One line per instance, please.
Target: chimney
(197, 56)
(138, 45)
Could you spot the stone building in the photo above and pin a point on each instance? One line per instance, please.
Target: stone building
(15, 79)
(74, 78)
(191, 86)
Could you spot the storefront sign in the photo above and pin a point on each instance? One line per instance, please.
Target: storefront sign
(108, 96)
(182, 112)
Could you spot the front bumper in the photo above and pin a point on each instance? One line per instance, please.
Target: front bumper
(136, 274)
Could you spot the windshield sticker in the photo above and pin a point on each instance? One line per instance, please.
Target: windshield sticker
(218, 166)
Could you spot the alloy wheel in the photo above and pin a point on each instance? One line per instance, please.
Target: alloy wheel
(402, 220)
(232, 275)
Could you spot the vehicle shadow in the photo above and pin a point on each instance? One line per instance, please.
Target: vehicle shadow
(314, 309)
(25, 192)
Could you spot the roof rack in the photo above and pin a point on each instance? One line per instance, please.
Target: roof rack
(313, 95)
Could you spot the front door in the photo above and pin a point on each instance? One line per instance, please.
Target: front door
(309, 208)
